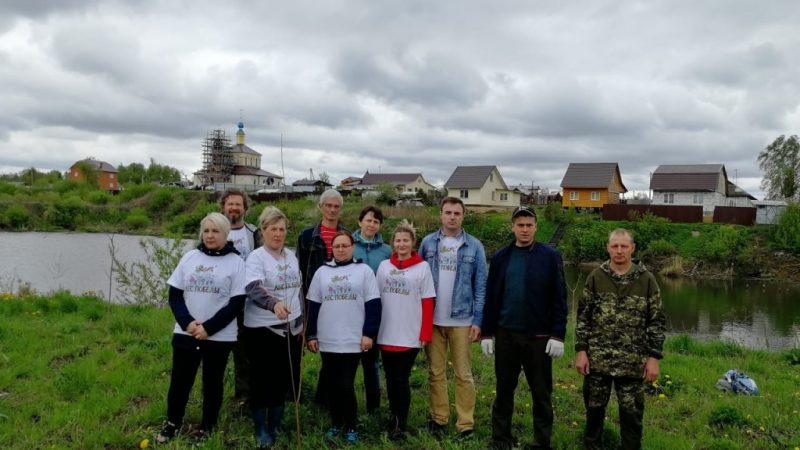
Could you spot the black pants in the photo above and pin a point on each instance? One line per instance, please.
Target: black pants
(397, 366)
(372, 378)
(187, 353)
(341, 372)
(241, 364)
(630, 396)
(274, 366)
(512, 351)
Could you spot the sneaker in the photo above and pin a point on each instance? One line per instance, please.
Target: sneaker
(168, 431)
(332, 432)
(351, 436)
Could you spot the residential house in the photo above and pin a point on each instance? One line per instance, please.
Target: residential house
(107, 175)
(310, 186)
(592, 185)
(407, 184)
(481, 186)
(705, 185)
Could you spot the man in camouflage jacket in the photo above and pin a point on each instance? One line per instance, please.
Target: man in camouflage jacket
(618, 340)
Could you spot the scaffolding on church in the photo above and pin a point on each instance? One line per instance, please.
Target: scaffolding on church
(217, 158)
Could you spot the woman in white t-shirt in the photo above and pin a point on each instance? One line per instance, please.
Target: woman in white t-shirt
(273, 323)
(407, 300)
(344, 312)
(206, 291)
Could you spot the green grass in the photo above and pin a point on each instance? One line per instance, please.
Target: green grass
(78, 373)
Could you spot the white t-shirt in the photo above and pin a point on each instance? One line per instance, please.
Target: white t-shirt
(208, 283)
(448, 264)
(241, 241)
(342, 291)
(281, 278)
(402, 291)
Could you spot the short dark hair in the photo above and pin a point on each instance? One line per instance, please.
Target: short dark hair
(524, 211)
(343, 233)
(454, 201)
(376, 213)
(234, 191)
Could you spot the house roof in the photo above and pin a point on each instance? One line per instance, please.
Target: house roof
(307, 182)
(395, 178)
(735, 191)
(471, 177)
(102, 166)
(245, 170)
(591, 175)
(689, 177)
(242, 148)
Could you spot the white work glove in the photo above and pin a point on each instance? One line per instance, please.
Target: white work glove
(554, 348)
(487, 346)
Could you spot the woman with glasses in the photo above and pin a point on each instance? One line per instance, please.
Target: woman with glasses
(407, 295)
(273, 322)
(343, 319)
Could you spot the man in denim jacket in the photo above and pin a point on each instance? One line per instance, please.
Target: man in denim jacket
(458, 266)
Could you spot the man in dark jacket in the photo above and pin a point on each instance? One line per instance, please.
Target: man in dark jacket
(619, 334)
(526, 312)
(313, 249)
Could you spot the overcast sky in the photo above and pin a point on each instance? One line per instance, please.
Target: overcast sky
(401, 86)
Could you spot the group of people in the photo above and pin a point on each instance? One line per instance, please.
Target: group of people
(359, 301)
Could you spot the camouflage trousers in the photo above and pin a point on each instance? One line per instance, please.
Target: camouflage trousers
(630, 397)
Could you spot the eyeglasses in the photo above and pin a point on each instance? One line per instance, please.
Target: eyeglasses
(342, 246)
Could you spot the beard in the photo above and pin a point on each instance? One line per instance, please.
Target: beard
(234, 219)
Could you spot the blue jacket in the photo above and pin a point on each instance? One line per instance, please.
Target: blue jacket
(371, 253)
(546, 307)
(469, 291)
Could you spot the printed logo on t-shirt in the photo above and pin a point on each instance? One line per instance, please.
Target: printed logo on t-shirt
(448, 257)
(340, 288)
(202, 280)
(287, 279)
(396, 283)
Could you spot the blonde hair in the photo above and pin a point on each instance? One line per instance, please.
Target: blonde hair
(270, 215)
(219, 220)
(621, 232)
(405, 227)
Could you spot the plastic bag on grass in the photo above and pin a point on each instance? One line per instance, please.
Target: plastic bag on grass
(738, 383)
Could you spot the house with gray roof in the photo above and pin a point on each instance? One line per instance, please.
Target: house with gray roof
(107, 175)
(481, 186)
(705, 185)
(407, 184)
(592, 185)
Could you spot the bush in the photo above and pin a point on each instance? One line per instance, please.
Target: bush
(137, 219)
(660, 248)
(726, 416)
(99, 197)
(17, 216)
(66, 213)
(160, 200)
(648, 228)
(553, 212)
(725, 244)
(7, 188)
(787, 233)
(133, 191)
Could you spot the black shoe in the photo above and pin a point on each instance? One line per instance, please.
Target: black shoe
(464, 435)
(435, 428)
(168, 431)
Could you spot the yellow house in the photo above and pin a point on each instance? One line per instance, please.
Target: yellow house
(592, 185)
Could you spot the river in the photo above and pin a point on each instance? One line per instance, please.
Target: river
(752, 314)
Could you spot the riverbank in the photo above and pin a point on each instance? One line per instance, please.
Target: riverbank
(81, 373)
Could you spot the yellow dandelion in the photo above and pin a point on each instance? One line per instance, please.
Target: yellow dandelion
(662, 396)
(669, 383)
(762, 429)
(666, 376)
(145, 443)
(527, 405)
(574, 424)
(749, 431)
(494, 392)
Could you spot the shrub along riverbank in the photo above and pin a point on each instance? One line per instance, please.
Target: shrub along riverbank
(76, 372)
(702, 250)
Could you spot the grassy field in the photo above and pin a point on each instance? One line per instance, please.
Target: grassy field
(79, 373)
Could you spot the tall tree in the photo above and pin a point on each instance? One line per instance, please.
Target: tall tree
(780, 162)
